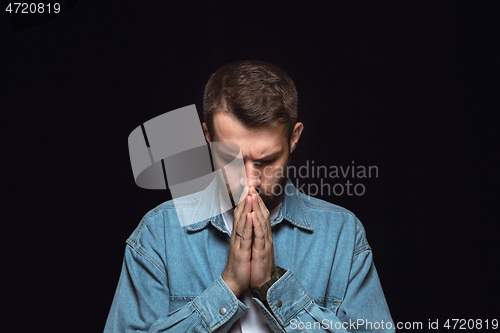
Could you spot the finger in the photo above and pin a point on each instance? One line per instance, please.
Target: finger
(244, 193)
(246, 240)
(260, 202)
(259, 215)
(263, 215)
(259, 242)
(238, 224)
(240, 217)
(241, 205)
(262, 205)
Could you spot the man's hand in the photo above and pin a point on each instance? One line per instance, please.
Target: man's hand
(249, 264)
(262, 249)
(237, 272)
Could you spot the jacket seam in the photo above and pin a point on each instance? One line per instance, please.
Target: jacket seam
(327, 299)
(364, 242)
(182, 298)
(364, 248)
(147, 258)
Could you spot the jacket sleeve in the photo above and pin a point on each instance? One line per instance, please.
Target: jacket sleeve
(141, 301)
(363, 309)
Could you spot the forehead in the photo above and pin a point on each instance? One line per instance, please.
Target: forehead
(252, 141)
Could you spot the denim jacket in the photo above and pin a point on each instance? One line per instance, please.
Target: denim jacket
(171, 275)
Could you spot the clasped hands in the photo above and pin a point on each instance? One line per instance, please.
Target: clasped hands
(250, 257)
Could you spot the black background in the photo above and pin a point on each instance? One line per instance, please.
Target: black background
(398, 85)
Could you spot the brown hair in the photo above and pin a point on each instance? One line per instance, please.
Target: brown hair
(255, 93)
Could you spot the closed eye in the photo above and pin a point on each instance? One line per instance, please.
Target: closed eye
(265, 161)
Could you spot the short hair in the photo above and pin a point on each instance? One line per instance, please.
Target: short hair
(255, 93)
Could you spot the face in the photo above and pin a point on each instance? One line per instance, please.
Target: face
(265, 152)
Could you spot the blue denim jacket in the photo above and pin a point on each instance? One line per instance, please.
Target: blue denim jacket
(171, 275)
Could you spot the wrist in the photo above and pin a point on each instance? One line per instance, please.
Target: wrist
(261, 293)
(231, 285)
(258, 284)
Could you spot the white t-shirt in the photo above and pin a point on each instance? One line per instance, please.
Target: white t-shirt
(253, 321)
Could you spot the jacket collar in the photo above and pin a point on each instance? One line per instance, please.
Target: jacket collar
(292, 210)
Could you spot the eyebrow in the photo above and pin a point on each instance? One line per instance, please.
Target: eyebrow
(264, 158)
(270, 156)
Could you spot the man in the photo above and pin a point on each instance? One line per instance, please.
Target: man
(279, 261)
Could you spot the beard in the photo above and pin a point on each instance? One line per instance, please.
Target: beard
(272, 196)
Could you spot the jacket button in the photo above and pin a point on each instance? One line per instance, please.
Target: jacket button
(279, 304)
(222, 311)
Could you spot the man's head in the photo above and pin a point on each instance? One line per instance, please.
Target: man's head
(255, 93)
(254, 104)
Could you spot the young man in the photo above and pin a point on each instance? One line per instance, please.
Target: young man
(280, 261)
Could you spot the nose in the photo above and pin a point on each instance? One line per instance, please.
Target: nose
(252, 173)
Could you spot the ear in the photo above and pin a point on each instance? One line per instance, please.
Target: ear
(207, 134)
(294, 138)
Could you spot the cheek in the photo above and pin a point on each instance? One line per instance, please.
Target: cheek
(272, 173)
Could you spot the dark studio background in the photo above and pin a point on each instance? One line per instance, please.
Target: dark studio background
(388, 84)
